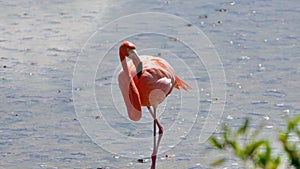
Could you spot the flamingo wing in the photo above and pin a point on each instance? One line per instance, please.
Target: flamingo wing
(168, 71)
(131, 97)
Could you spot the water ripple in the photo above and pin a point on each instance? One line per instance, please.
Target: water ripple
(274, 93)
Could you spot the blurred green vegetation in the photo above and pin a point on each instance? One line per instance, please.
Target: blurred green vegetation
(258, 153)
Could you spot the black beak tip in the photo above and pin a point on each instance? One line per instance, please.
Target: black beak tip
(139, 69)
(139, 74)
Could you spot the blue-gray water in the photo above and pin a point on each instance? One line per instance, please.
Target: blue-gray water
(257, 41)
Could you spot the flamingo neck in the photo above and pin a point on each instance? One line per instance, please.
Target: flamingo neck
(124, 65)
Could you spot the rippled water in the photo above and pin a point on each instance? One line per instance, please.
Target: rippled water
(257, 41)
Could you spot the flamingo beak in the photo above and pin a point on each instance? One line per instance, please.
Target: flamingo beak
(139, 69)
(137, 62)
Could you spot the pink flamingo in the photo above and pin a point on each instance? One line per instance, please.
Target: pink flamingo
(146, 81)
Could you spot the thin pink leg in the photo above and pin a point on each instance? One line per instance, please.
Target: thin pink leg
(160, 128)
(155, 144)
(153, 156)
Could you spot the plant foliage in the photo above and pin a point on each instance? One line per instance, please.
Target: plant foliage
(258, 153)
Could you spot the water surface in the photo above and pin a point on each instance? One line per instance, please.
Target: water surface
(257, 41)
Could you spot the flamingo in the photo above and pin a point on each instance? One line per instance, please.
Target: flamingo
(146, 81)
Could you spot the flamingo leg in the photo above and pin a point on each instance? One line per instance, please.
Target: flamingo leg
(155, 144)
(153, 114)
(154, 152)
(160, 128)
(158, 141)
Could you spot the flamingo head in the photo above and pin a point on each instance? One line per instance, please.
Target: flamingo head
(127, 49)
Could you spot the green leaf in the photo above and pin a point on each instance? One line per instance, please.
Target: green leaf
(256, 151)
(215, 143)
(218, 162)
(252, 147)
(282, 136)
(296, 120)
(244, 127)
(293, 123)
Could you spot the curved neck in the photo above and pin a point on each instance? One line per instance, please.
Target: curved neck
(136, 61)
(124, 64)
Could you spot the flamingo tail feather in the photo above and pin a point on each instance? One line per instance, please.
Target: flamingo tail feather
(181, 84)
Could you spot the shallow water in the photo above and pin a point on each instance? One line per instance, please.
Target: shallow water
(40, 42)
